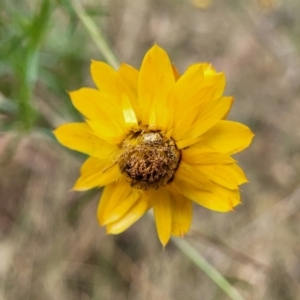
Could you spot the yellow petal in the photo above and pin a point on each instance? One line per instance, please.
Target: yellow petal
(210, 115)
(215, 79)
(96, 173)
(228, 176)
(188, 142)
(158, 113)
(160, 200)
(112, 196)
(181, 211)
(218, 198)
(227, 137)
(135, 213)
(79, 137)
(97, 106)
(114, 84)
(91, 103)
(155, 77)
(226, 114)
(130, 77)
(175, 72)
(87, 101)
(187, 173)
(202, 155)
(223, 175)
(208, 69)
(104, 76)
(190, 114)
(189, 83)
(122, 208)
(152, 118)
(238, 173)
(186, 87)
(193, 96)
(128, 112)
(104, 132)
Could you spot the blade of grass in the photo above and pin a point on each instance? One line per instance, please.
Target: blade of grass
(96, 34)
(29, 68)
(187, 249)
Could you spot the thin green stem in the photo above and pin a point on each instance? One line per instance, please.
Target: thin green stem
(96, 34)
(187, 249)
(29, 63)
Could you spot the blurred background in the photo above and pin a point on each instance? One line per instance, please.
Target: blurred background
(51, 246)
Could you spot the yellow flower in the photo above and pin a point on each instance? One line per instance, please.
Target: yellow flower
(158, 140)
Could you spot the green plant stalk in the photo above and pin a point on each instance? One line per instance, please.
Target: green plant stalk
(187, 249)
(182, 244)
(26, 112)
(96, 35)
(29, 70)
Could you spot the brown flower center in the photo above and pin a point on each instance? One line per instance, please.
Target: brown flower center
(149, 159)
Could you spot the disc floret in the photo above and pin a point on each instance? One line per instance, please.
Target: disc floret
(149, 159)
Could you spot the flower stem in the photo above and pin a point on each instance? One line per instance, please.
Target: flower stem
(96, 34)
(187, 249)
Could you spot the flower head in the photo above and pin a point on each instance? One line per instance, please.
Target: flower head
(158, 140)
